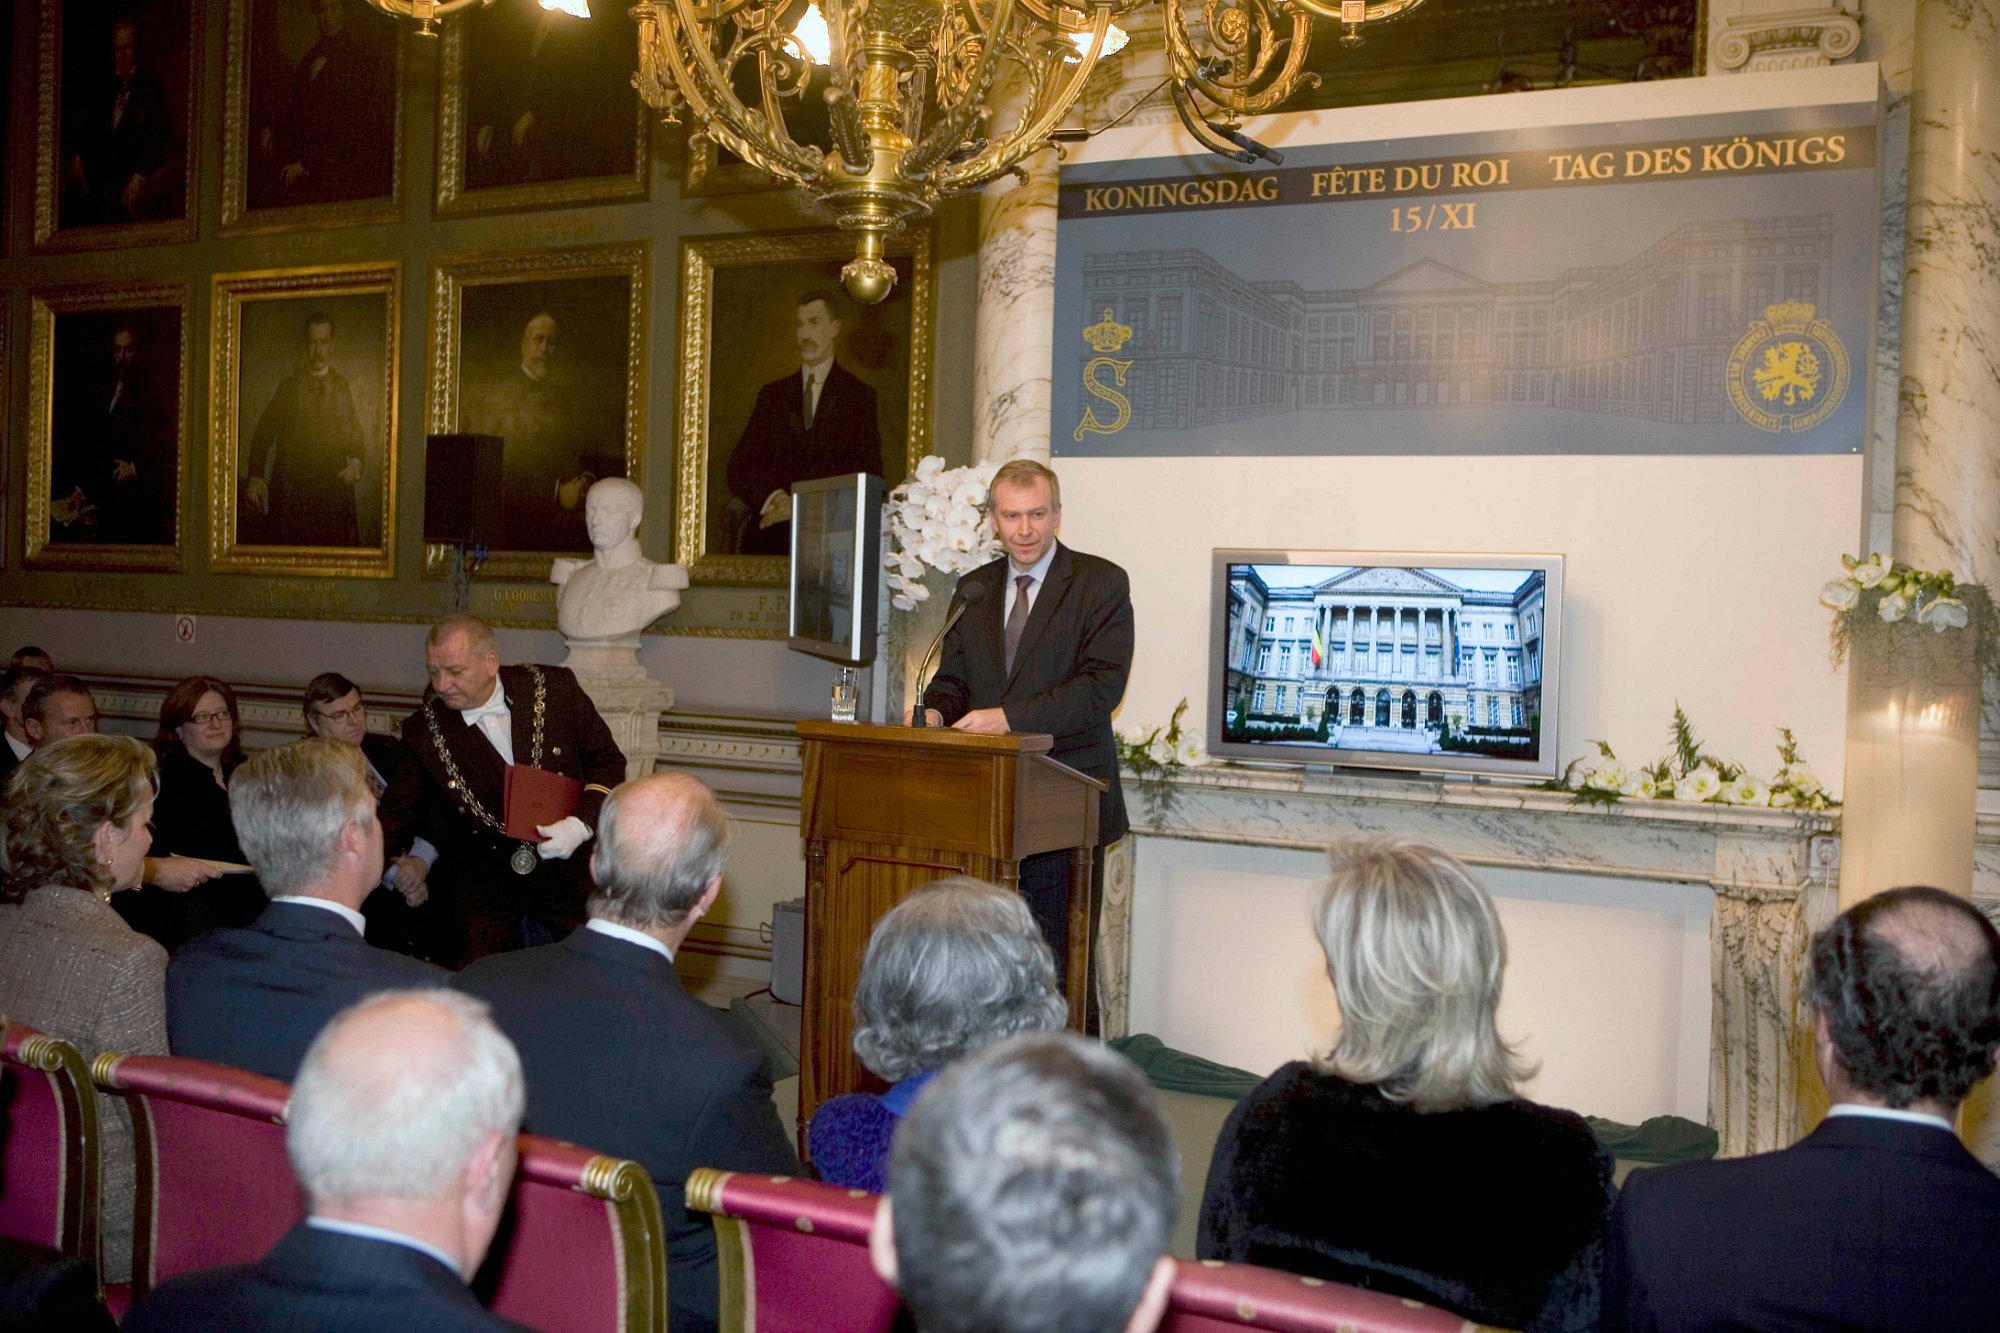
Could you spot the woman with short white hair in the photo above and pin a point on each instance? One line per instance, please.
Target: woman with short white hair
(956, 966)
(1403, 1159)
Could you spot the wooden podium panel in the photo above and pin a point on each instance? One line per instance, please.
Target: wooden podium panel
(889, 809)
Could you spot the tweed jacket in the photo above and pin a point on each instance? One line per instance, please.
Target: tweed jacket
(71, 967)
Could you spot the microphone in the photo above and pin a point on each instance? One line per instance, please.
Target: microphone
(963, 596)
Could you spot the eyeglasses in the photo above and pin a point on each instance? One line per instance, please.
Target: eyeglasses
(344, 715)
(209, 719)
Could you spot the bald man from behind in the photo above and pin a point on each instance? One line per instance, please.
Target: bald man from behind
(618, 1055)
(402, 1130)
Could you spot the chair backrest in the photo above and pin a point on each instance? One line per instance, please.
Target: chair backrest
(582, 1249)
(215, 1186)
(48, 1144)
(793, 1255)
(1209, 1297)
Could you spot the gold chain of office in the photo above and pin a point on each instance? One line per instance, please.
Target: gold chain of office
(525, 853)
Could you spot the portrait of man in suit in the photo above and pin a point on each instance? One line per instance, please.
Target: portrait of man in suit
(114, 470)
(548, 95)
(310, 420)
(322, 102)
(542, 366)
(124, 114)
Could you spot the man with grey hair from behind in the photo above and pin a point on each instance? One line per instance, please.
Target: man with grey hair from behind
(618, 1055)
(256, 996)
(1032, 1190)
(402, 1131)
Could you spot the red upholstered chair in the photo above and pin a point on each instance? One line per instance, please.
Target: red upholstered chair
(582, 1249)
(48, 1144)
(215, 1186)
(794, 1255)
(1210, 1297)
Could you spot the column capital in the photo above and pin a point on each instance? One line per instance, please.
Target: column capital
(1751, 36)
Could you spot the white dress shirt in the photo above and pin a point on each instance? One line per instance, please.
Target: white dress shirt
(1887, 1113)
(21, 749)
(1039, 572)
(341, 910)
(362, 1231)
(494, 719)
(629, 935)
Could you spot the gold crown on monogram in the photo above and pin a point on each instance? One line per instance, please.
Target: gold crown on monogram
(1107, 334)
(1791, 316)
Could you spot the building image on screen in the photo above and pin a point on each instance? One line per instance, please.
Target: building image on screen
(1386, 659)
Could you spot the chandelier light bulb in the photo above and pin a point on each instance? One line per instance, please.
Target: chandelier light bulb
(812, 35)
(1115, 38)
(574, 8)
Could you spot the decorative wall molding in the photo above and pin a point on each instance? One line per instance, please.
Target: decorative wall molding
(1767, 36)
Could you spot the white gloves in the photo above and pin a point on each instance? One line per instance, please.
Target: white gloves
(564, 837)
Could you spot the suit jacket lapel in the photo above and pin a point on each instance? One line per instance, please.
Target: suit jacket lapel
(521, 707)
(478, 762)
(1044, 610)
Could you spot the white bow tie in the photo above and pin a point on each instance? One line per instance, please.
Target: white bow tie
(494, 707)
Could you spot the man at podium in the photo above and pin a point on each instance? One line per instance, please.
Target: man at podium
(1046, 648)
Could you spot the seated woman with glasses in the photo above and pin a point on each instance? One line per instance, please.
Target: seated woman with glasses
(335, 711)
(1403, 1159)
(956, 966)
(199, 748)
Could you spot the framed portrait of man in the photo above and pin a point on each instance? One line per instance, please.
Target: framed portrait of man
(536, 108)
(312, 115)
(107, 395)
(115, 98)
(302, 461)
(799, 381)
(546, 350)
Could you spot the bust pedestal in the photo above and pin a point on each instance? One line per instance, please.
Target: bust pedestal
(629, 700)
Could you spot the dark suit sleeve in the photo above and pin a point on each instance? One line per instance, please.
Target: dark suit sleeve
(738, 1128)
(401, 808)
(758, 449)
(1625, 1302)
(1104, 661)
(948, 691)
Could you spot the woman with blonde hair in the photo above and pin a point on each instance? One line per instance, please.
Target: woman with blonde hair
(1403, 1158)
(72, 833)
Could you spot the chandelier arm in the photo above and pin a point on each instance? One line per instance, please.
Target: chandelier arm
(706, 88)
(1032, 133)
(1377, 10)
(1278, 88)
(850, 139)
(976, 87)
(966, 121)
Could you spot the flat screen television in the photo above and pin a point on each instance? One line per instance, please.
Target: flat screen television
(1411, 660)
(836, 567)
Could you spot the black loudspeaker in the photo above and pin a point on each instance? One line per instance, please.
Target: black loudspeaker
(462, 490)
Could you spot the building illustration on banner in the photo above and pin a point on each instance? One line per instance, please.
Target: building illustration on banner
(1718, 322)
(1421, 661)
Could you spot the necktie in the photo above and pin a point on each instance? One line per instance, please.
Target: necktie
(1017, 619)
(811, 398)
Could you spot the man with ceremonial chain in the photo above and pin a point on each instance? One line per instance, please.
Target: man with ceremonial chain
(498, 892)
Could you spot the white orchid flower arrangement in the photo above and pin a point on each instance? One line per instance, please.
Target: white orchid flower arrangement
(1691, 774)
(1154, 755)
(1879, 588)
(937, 521)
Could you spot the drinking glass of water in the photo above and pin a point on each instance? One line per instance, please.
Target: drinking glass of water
(846, 695)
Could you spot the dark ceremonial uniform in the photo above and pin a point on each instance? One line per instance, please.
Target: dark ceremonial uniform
(491, 887)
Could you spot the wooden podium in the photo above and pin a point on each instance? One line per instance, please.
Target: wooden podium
(887, 809)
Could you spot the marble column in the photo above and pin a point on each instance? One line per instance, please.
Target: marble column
(1016, 314)
(1913, 732)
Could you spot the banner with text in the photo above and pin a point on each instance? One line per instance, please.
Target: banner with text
(1699, 285)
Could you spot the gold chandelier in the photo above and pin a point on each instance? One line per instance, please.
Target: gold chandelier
(929, 98)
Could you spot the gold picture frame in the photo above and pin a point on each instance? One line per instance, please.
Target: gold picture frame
(272, 507)
(598, 299)
(772, 271)
(460, 192)
(56, 151)
(110, 388)
(251, 38)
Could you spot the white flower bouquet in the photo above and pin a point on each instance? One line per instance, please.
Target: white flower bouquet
(1879, 589)
(1153, 755)
(937, 522)
(1690, 773)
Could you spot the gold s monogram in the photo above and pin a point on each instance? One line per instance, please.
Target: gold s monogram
(1120, 404)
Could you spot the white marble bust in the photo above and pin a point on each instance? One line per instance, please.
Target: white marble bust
(610, 597)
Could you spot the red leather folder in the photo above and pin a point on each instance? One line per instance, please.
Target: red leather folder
(537, 796)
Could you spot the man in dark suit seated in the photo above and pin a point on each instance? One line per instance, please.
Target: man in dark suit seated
(618, 1055)
(1879, 1219)
(15, 682)
(1033, 1186)
(402, 1129)
(255, 997)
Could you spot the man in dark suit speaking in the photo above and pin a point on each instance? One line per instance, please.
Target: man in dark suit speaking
(496, 892)
(819, 421)
(1047, 649)
(402, 1129)
(1877, 1220)
(618, 1055)
(256, 997)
